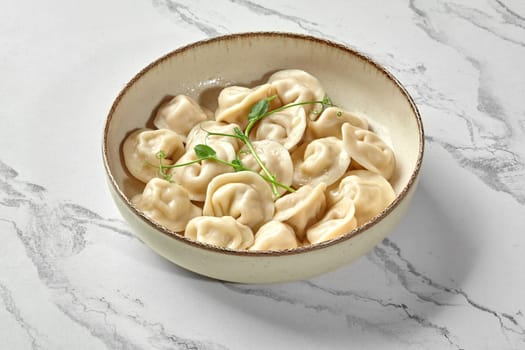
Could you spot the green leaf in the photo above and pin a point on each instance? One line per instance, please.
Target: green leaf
(204, 151)
(237, 165)
(259, 109)
(239, 132)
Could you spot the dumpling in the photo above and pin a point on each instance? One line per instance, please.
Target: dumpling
(301, 208)
(286, 127)
(196, 177)
(141, 148)
(243, 195)
(179, 114)
(225, 232)
(370, 192)
(276, 159)
(199, 134)
(301, 76)
(295, 85)
(235, 102)
(330, 121)
(322, 160)
(291, 91)
(274, 235)
(369, 150)
(337, 221)
(167, 204)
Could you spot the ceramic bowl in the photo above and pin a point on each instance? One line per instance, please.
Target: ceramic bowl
(351, 79)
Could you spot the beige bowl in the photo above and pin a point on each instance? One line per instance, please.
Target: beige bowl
(351, 79)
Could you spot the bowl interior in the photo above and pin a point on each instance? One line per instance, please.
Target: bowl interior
(200, 70)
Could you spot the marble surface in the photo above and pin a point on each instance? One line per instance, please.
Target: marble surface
(451, 275)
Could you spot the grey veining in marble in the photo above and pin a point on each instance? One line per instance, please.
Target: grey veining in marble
(54, 232)
(490, 129)
(72, 275)
(51, 233)
(493, 127)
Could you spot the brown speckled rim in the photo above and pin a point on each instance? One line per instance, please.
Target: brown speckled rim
(359, 230)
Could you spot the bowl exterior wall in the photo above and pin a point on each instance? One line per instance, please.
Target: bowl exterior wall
(265, 268)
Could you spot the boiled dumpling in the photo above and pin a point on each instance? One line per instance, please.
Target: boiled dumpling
(274, 235)
(225, 232)
(291, 91)
(167, 204)
(295, 85)
(302, 77)
(199, 134)
(330, 121)
(141, 148)
(370, 192)
(337, 164)
(179, 114)
(322, 160)
(301, 208)
(235, 102)
(337, 221)
(369, 150)
(196, 177)
(243, 195)
(276, 159)
(286, 127)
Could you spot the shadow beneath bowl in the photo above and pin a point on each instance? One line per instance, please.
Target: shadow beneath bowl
(396, 290)
(163, 265)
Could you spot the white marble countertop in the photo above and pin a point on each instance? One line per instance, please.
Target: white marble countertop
(451, 276)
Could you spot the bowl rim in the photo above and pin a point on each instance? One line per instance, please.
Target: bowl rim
(265, 253)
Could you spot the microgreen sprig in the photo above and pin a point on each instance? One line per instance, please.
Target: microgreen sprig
(161, 155)
(259, 111)
(203, 152)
